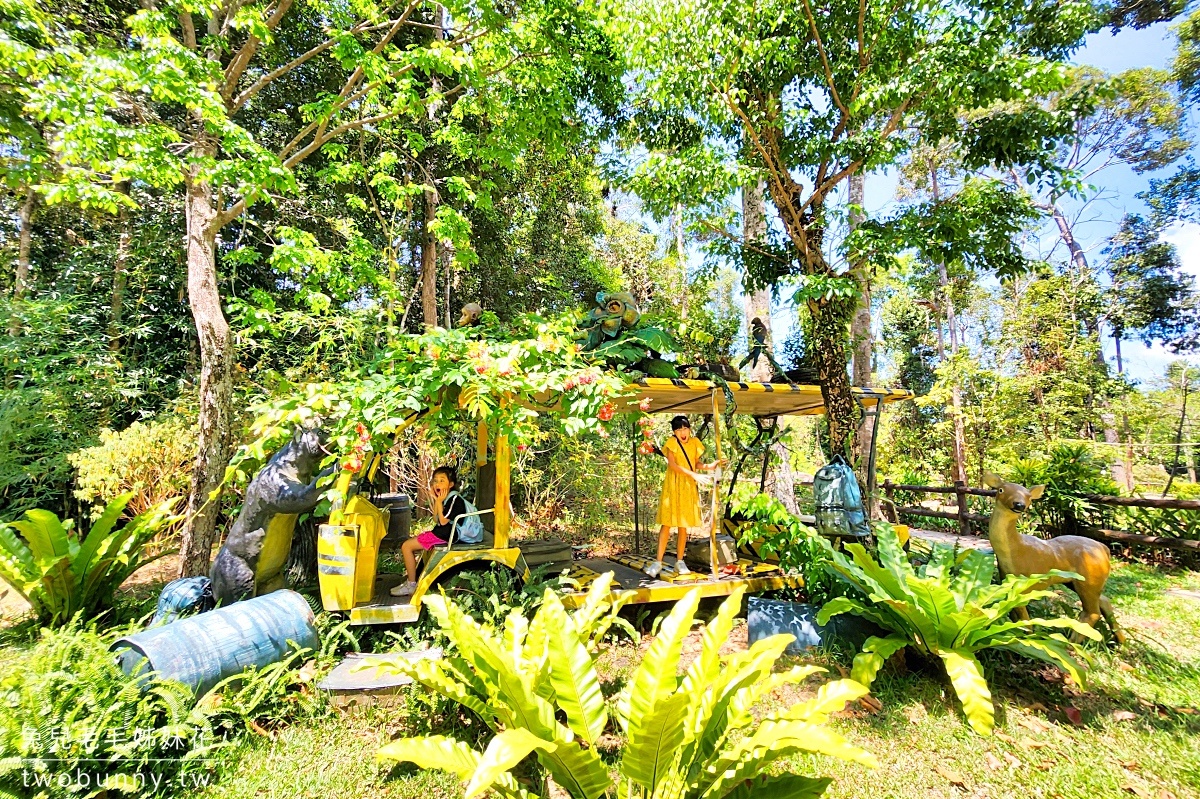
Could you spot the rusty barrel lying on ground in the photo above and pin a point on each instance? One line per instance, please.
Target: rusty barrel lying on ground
(202, 650)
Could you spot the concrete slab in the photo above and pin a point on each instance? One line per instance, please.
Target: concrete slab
(362, 678)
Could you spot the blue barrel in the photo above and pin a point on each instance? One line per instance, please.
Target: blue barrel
(202, 650)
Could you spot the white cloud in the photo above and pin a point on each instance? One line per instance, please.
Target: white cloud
(1186, 238)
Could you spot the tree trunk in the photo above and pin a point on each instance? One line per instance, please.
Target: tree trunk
(958, 444)
(829, 328)
(120, 274)
(860, 324)
(216, 376)
(784, 488)
(1185, 383)
(758, 303)
(681, 257)
(429, 263)
(1078, 256)
(24, 243)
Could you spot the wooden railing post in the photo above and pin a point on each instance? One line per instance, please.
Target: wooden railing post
(890, 493)
(964, 523)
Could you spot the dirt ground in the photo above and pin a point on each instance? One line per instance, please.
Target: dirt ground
(148, 578)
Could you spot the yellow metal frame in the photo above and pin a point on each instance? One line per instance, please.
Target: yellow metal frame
(671, 592)
(667, 395)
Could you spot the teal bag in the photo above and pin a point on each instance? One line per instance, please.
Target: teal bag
(839, 502)
(468, 529)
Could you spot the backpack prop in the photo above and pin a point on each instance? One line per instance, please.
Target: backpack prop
(468, 528)
(183, 597)
(840, 512)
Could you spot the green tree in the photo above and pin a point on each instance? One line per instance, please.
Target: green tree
(224, 101)
(805, 97)
(1150, 295)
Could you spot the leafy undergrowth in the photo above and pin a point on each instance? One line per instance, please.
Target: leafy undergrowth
(1135, 732)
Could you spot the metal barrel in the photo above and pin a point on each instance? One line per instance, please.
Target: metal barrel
(202, 650)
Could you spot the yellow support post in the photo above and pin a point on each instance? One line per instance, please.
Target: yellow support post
(716, 489)
(503, 508)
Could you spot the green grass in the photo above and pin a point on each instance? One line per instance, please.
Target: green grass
(330, 756)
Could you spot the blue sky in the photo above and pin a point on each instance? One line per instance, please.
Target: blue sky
(1153, 47)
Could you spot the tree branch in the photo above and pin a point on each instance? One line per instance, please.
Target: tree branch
(793, 221)
(189, 29)
(742, 240)
(320, 125)
(233, 73)
(248, 94)
(862, 14)
(812, 22)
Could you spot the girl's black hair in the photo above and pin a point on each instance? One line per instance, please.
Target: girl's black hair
(450, 472)
(680, 421)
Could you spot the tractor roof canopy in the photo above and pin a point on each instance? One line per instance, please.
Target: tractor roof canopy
(676, 395)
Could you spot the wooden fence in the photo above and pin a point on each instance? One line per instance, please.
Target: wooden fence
(1157, 523)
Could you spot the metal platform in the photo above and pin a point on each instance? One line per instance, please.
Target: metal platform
(755, 575)
(668, 587)
(385, 608)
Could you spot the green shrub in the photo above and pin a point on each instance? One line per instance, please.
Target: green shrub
(44, 561)
(948, 608)
(152, 460)
(1181, 489)
(795, 543)
(534, 683)
(1070, 473)
(69, 712)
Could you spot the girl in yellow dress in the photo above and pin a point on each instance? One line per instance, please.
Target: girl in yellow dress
(679, 505)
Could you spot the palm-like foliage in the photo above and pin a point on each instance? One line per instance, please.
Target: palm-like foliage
(61, 576)
(535, 683)
(949, 608)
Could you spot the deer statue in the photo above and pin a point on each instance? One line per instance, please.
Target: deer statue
(1026, 555)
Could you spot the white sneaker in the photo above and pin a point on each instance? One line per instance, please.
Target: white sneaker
(681, 567)
(404, 589)
(654, 568)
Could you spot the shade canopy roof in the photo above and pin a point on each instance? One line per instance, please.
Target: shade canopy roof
(676, 395)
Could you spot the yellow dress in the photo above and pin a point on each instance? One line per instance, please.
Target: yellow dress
(679, 505)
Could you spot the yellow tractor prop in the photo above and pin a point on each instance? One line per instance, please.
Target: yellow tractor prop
(348, 545)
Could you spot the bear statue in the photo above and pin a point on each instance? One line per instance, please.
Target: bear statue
(251, 561)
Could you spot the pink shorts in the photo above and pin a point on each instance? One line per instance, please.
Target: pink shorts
(429, 540)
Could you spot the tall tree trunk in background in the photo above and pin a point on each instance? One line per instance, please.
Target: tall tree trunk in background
(829, 329)
(758, 303)
(829, 318)
(429, 248)
(216, 372)
(24, 244)
(681, 258)
(1122, 471)
(1078, 256)
(429, 263)
(120, 274)
(861, 339)
(959, 442)
(781, 480)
